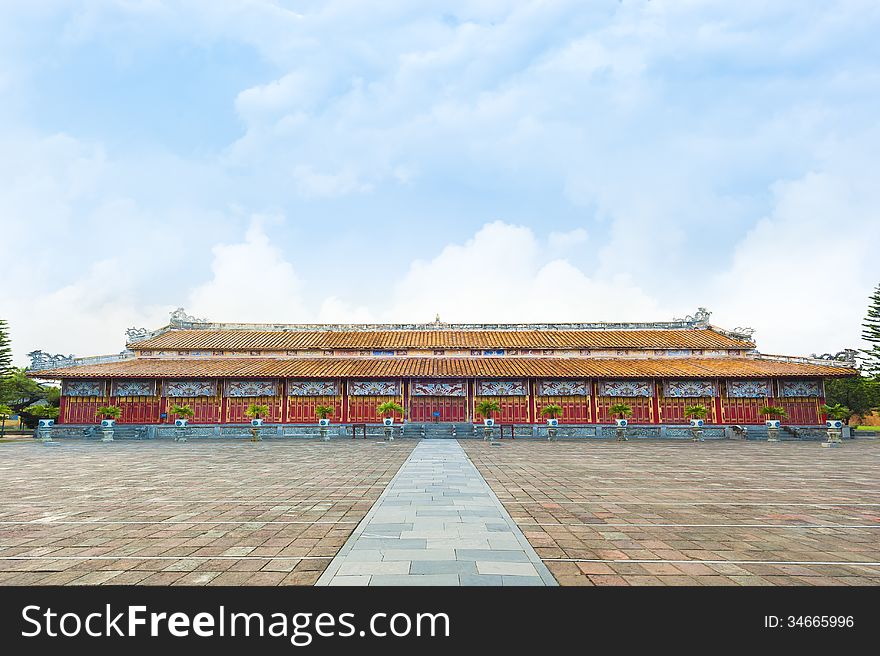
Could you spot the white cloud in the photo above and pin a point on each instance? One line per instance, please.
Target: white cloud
(252, 282)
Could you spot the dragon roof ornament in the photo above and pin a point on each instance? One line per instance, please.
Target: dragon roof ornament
(180, 319)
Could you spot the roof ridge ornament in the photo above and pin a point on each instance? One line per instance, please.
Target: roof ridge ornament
(180, 319)
(700, 318)
(41, 360)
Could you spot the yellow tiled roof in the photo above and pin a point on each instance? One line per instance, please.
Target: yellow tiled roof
(491, 367)
(255, 340)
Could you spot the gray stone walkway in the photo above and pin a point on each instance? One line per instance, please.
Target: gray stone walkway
(437, 523)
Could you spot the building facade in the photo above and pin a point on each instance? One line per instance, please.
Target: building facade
(439, 372)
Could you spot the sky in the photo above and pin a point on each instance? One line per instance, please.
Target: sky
(487, 161)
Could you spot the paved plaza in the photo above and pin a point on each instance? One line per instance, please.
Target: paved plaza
(594, 512)
(685, 513)
(197, 513)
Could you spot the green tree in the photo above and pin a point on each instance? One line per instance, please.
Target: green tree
(256, 411)
(5, 350)
(18, 391)
(871, 334)
(486, 407)
(552, 410)
(858, 393)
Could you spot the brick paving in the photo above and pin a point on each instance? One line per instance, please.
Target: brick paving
(196, 513)
(680, 513)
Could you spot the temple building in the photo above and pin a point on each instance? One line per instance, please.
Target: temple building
(439, 372)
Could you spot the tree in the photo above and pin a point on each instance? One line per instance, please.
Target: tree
(388, 408)
(774, 411)
(182, 411)
(109, 412)
(696, 411)
(837, 411)
(486, 407)
(255, 411)
(5, 413)
(552, 410)
(5, 350)
(871, 334)
(858, 393)
(18, 391)
(622, 410)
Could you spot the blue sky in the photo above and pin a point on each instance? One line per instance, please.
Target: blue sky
(490, 161)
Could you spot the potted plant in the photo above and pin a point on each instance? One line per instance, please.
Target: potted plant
(771, 411)
(836, 417)
(183, 412)
(485, 409)
(323, 412)
(256, 413)
(108, 415)
(773, 424)
(697, 414)
(552, 412)
(622, 411)
(386, 409)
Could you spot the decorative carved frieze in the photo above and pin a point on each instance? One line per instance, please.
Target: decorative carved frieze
(810, 388)
(83, 388)
(563, 388)
(448, 388)
(126, 388)
(190, 388)
(246, 388)
(748, 389)
(41, 360)
(312, 388)
(373, 388)
(688, 388)
(502, 388)
(630, 388)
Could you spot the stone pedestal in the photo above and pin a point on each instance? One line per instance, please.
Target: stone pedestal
(256, 434)
(697, 434)
(620, 432)
(552, 432)
(487, 434)
(772, 434)
(325, 435)
(180, 434)
(833, 438)
(107, 434)
(389, 433)
(44, 434)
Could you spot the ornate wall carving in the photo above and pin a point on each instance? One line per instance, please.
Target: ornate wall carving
(801, 388)
(563, 388)
(449, 388)
(502, 388)
(83, 388)
(190, 388)
(239, 388)
(688, 388)
(312, 388)
(134, 388)
(748, 389)
(626, 388)
(373, 388)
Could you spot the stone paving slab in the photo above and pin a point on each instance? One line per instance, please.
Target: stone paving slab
(450, 529)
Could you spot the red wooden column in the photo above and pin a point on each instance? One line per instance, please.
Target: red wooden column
(533, 400)
(62, 409)
(404, 397)
(224, 402)
(655, 401)
(471, 384)
(282, 387)
(343, 383)
(594, 399)
(718, 408)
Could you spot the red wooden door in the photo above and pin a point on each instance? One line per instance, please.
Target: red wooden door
(514, 409)
(138, 409)
(450, 408)
(575, 409)
(237, 406)
(363, 408)
(672, 409)
(742, 410)
(642, 408)
(301, 409)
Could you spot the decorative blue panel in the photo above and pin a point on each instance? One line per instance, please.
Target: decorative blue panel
(688, 388)
(748, 389)
(629, 388)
